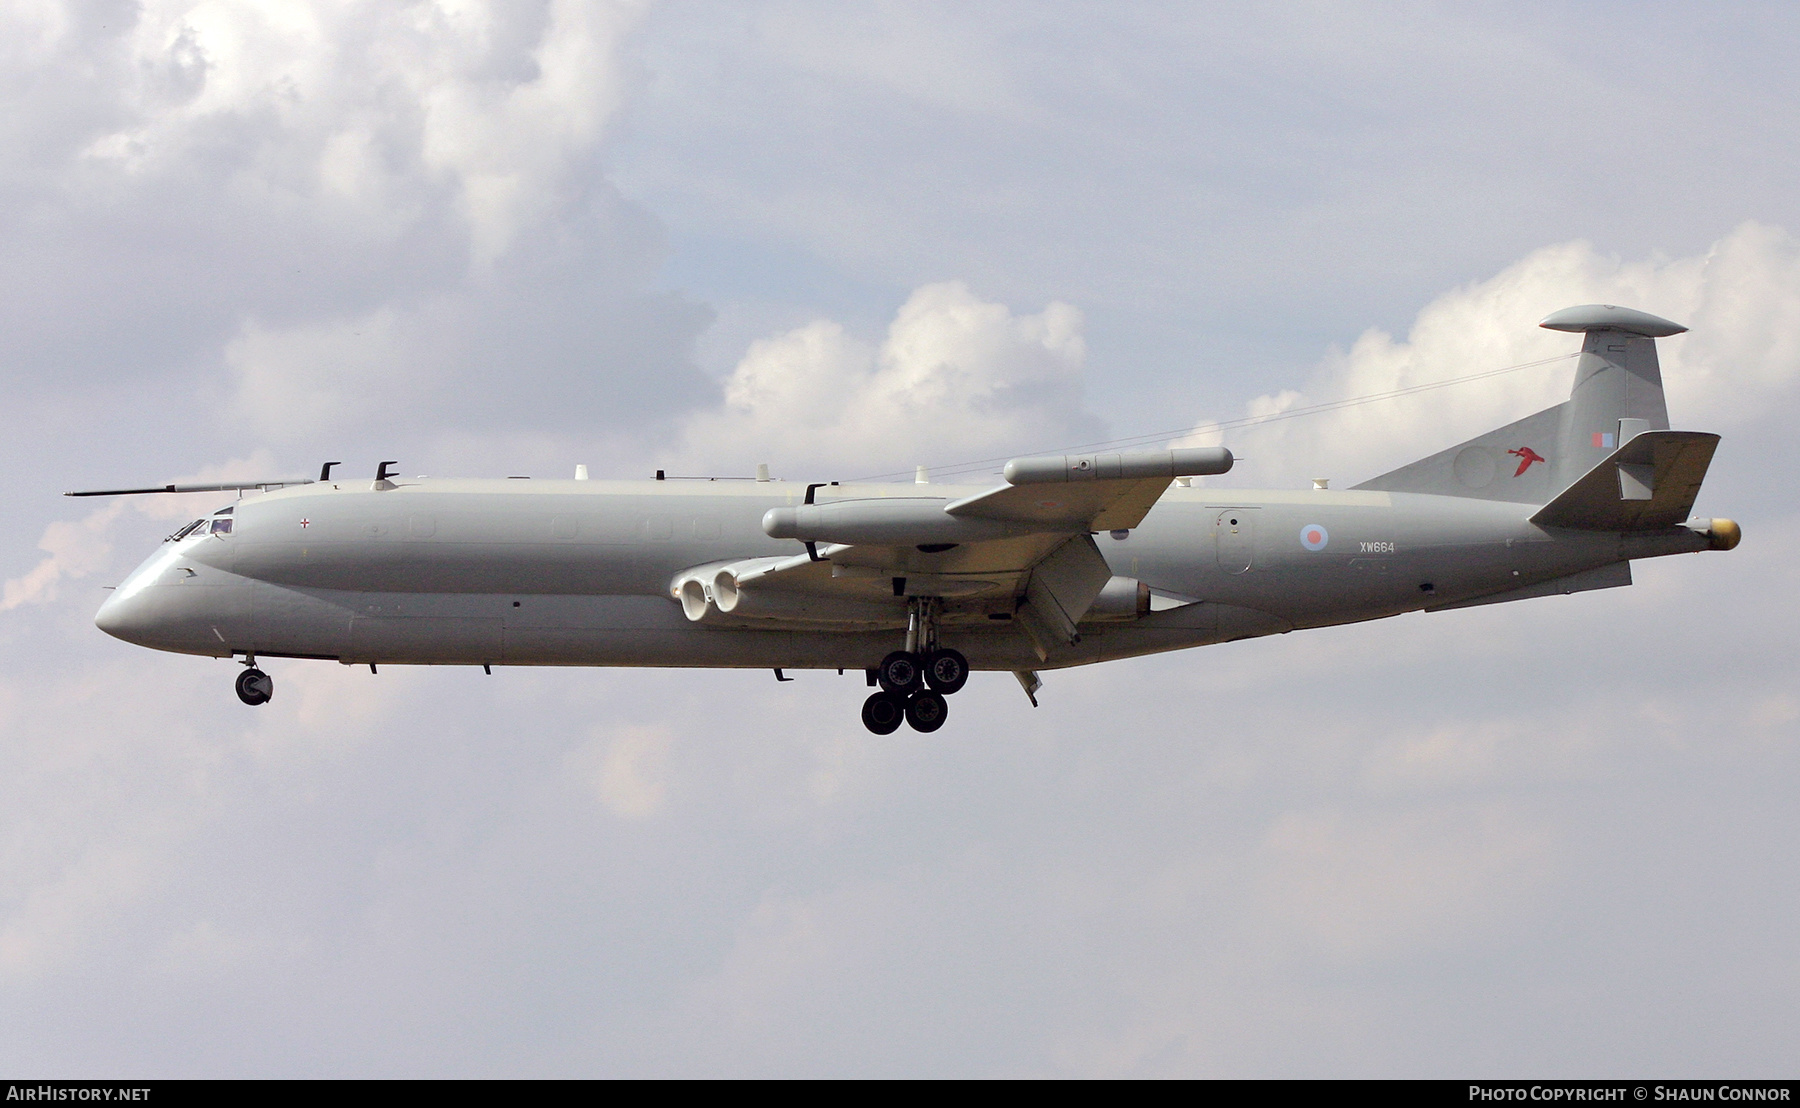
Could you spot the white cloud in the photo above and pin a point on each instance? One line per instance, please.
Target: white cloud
(1741, 357)
(331, 219)
(76, 550)
(359, 104)
(955, 377)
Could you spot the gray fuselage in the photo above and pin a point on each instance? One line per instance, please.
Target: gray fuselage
(519, 572)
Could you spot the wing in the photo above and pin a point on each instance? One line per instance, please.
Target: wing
(1023, 551)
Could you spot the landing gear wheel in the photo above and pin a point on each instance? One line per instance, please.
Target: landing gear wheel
(899, 672)
(946, 671)
(882, 713)
(926, 711)
(255, 687)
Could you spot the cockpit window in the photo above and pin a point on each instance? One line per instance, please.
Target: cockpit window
(188, 530)
(225, 511)
(221, 527)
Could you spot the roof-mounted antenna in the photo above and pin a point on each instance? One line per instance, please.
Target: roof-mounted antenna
(229, 486)
(325, 471)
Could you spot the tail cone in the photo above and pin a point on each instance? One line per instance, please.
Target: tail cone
(1724, 534)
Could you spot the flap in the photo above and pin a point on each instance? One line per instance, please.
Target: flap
(1610, 497)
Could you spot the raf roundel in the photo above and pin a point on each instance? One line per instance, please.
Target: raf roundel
(1314, 537)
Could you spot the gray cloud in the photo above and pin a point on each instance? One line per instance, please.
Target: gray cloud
(1223, 190)
(326, 226)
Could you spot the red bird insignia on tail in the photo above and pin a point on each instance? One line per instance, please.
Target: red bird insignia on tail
(1526, 456)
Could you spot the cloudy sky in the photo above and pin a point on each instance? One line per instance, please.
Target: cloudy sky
(489, 237)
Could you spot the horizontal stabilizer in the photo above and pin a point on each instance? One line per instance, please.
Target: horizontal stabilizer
(1647, 484)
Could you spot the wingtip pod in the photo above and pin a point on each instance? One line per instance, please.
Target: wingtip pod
(1609, 317)
(1191, 461)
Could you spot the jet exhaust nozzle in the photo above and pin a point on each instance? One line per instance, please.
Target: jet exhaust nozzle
(692, 595)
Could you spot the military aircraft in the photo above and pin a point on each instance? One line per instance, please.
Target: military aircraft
(1074, 559)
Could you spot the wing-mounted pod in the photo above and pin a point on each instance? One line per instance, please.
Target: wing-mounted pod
(1088, 492)
(1192, 461)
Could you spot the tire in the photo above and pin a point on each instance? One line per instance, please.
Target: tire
(899, 672)
(255, 687)
(883, 713)
(927, 711)
(946, 671)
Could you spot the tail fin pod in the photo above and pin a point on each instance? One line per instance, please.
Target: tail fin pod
(1617, 395)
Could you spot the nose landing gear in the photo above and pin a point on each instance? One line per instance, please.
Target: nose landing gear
(915, 681)
(255, 687)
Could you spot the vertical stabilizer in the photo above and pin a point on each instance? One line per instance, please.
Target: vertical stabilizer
(1618, 389)
(1617, 395)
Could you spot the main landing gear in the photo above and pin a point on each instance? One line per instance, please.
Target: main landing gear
(254, 687)
(914, 682)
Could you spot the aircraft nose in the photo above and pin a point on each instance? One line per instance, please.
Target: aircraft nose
(113, 616)
(126, 615)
